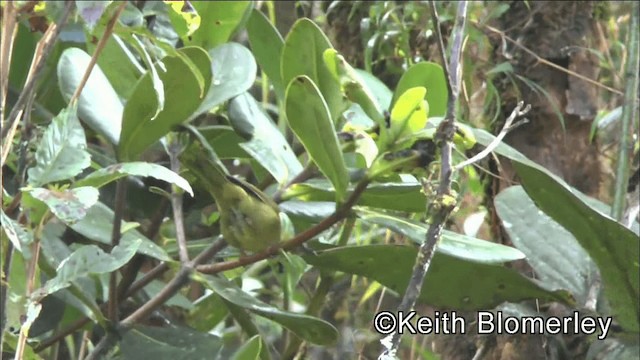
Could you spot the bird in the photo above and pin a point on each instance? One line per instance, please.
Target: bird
(249, 219)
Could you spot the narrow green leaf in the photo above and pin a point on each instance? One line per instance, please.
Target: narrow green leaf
(555, 255)
(250, 350)
(613, 247)
(312, 329)
(19, 237)
(114, 172)
(62, 152)
(453, 244)
(98, 105)
(177, 343)
(234, 72)
(266, 45)
(430, 76)
(97, 226)
(266, 143)
(139, 128)
(477, 286)
(219, 20)
(302, 55)
(69, 205)
(392, 196)
(309, 118)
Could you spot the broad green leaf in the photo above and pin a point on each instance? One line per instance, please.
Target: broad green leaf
(61, 153)
(218, 21)
(97, 226)
(266, 144)
(266, 45)
(477, 286)
(555, 255)
(430, 76)
(453, 244)
(177, 343)
(114, 172)
(378, 89)
(315, 210)
(309, 119)
(613, 247)
(309, 328)
(98, 105)
(408, 116)
(183, 95)
(88, 260)
(119, 66)
(391, 196)
(234, 72)
(250, 350)
(68, 205)
(302, 55)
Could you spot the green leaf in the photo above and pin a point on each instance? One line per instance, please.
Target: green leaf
(309, 119)
(97, 226)
(218, 21)
(183, 95)
(391, 196)
(552, 251)
(177, 343)
(68, 205)
(98, 105)
(119, 66)
(613, 247)
(302, 55)
(209, 311)
(250, 350)
(266, 143)
(408, 116)
(266, 45)
(309, 328)
(430, 76)
(114, 172)
(457, 245)
(234, 72)
(61, 153)
(477, 286)
(353, 87)
(19, 236)
(88, 260)
(225, 141)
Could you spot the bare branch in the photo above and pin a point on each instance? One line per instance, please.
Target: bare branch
(508, 126)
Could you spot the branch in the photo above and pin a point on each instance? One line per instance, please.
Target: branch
(176, 201)
(517, 112)
(294, 242)
(441, 208)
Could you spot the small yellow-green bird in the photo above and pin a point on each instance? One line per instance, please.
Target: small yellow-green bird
(249, 219)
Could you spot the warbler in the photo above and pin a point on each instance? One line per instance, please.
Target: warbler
(249, 219)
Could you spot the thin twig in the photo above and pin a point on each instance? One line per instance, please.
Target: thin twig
(441, 208)
(517, 112)
(43, 49)
(9, 26)
(94, 58)
(116, 234)
(176, 201)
